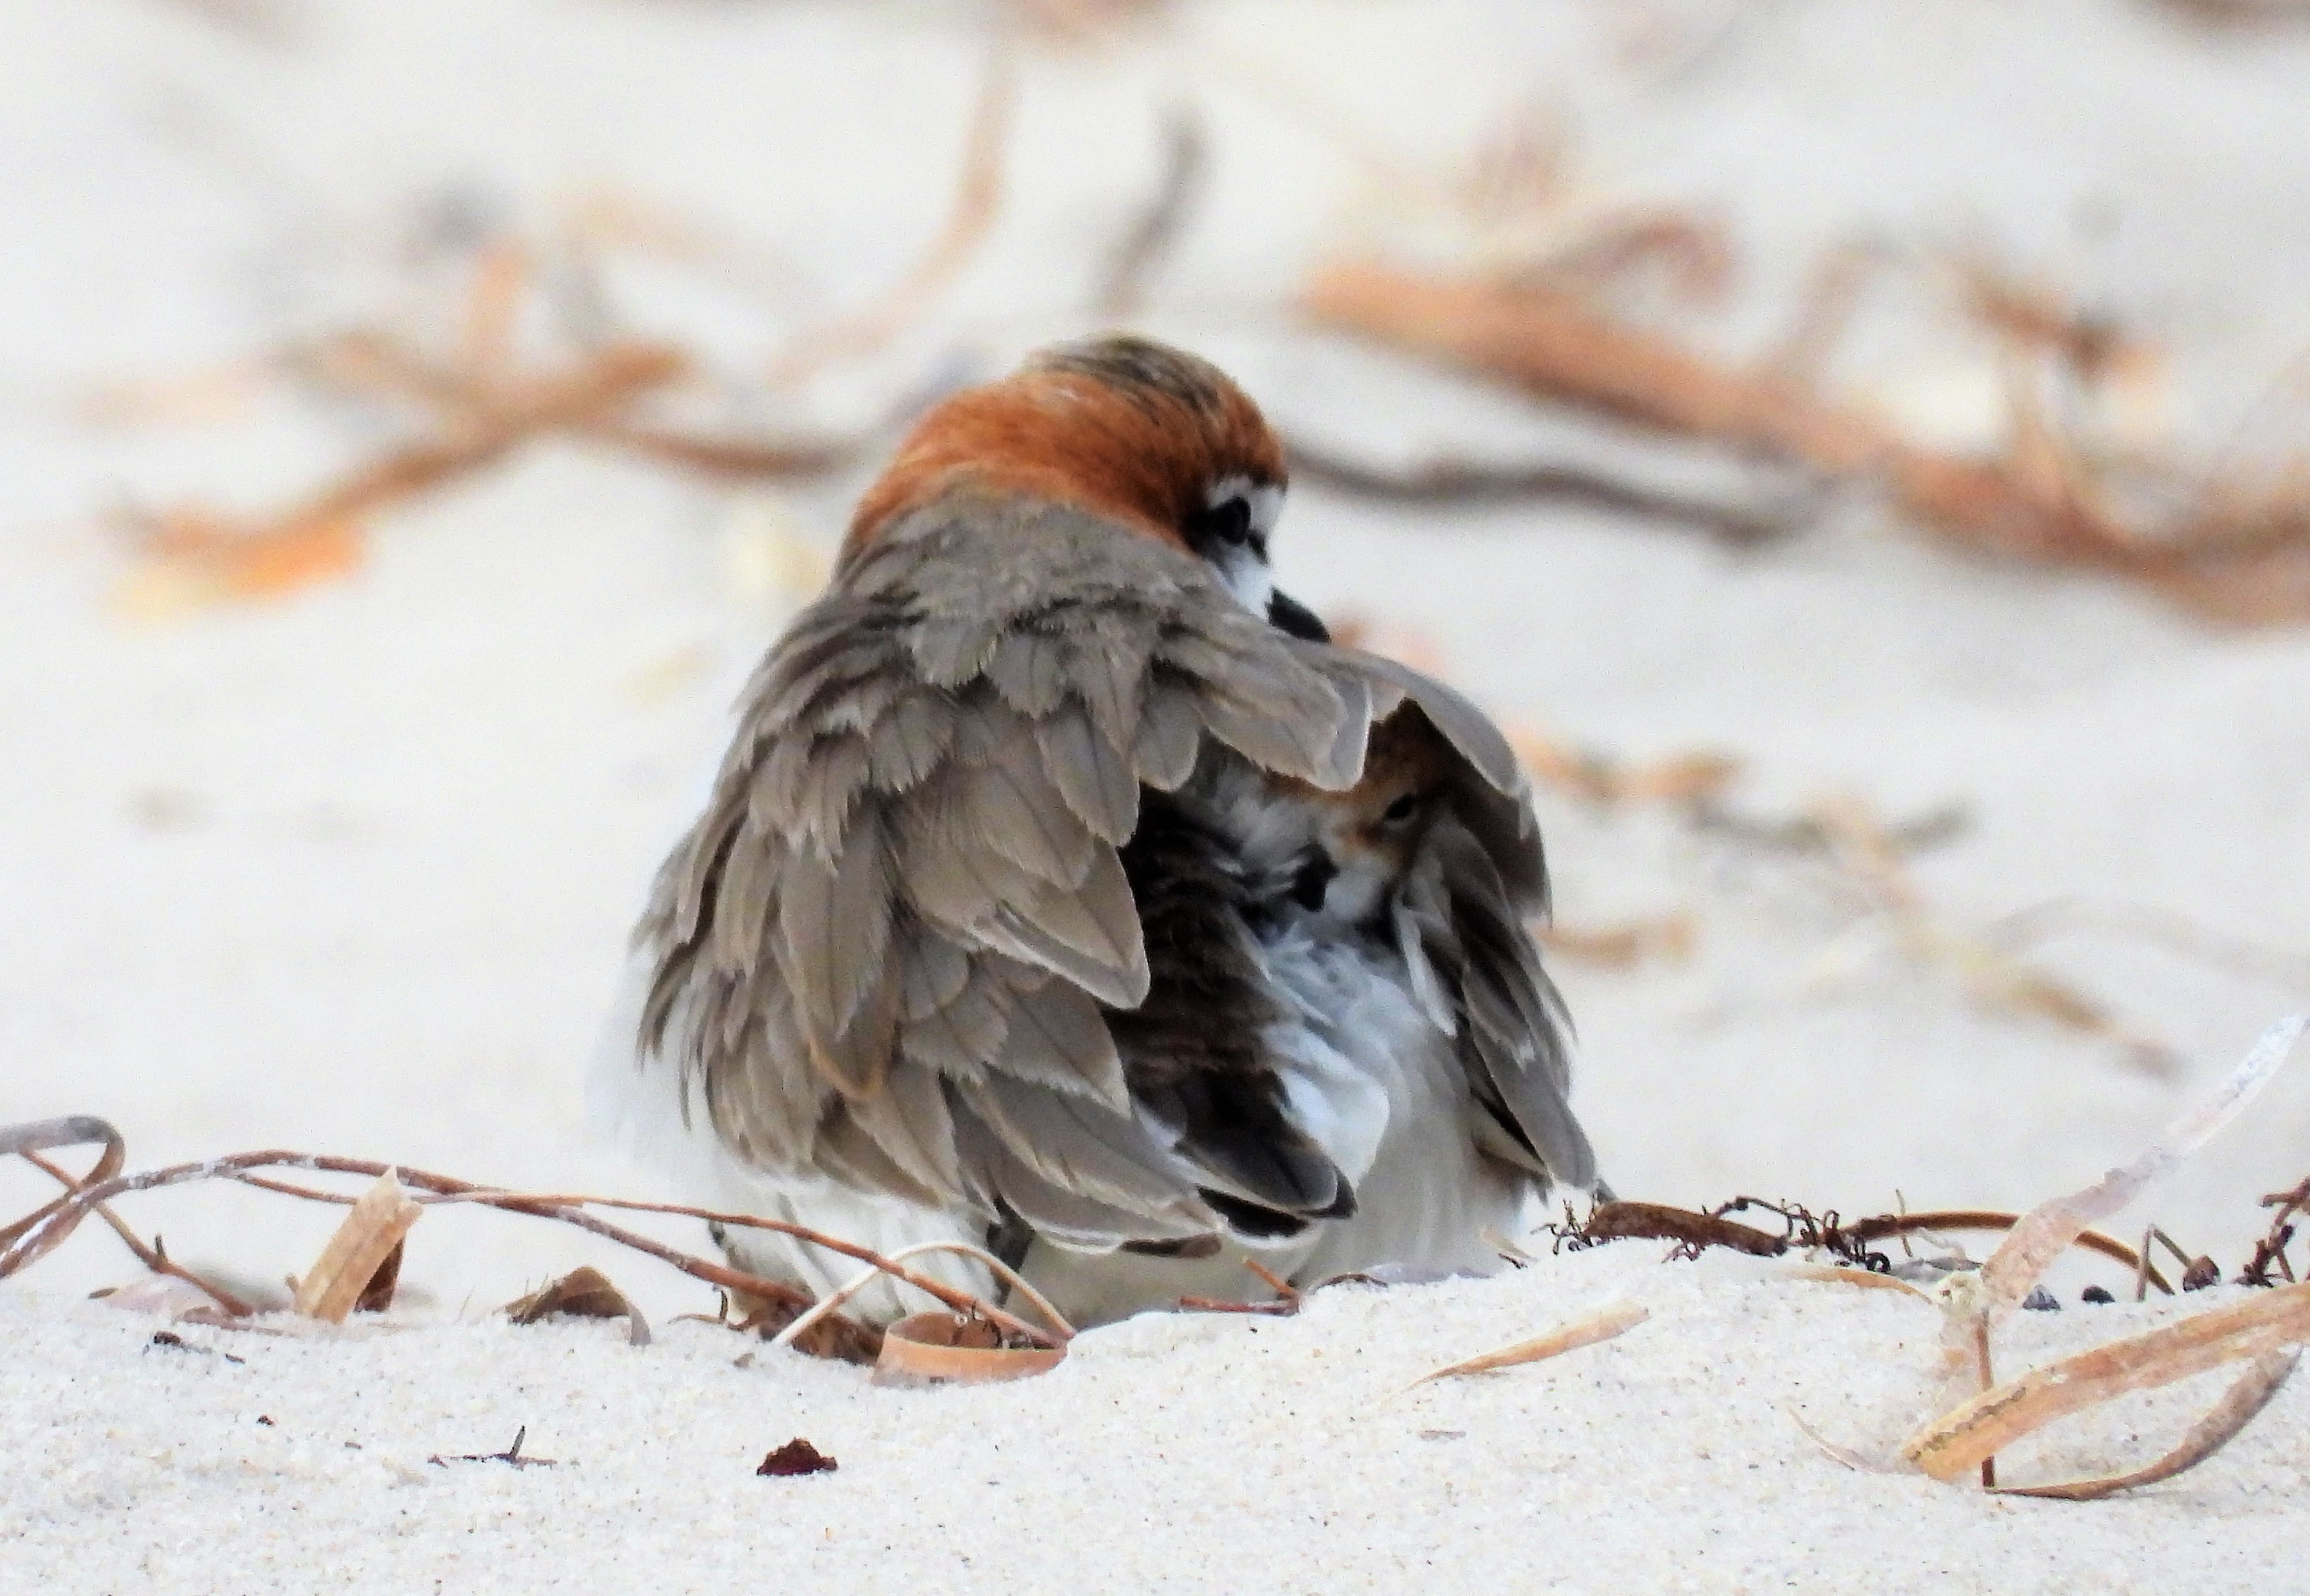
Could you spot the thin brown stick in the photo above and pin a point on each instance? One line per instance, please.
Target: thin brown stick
(1983, 1376)
(604, 383)
(977, 201)
(151, 1257)
(2269, 1251)
(1154, 233)
(1884, 1227)
(1461, 481)
(1654, 1221)
(2244, 557)
(77, 1129)
(1214, 1305)
(1285, 1291)
(739, 459)
(37, 1238)
(372, 362)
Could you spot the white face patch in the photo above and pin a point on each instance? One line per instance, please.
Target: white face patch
(1244, 569)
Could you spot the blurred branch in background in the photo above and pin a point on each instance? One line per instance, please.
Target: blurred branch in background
(978, 202)
(1153, 236)
(1541, 286)
(2240, 553)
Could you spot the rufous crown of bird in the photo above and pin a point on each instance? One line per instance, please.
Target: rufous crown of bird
(1066, 892)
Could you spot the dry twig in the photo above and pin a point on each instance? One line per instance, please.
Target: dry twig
(31, 1238)
(1153, 236)
(978, 202)
(2270, 1253)
(2243, 554)
(1611, 1320)
(1454, 481)
(153, 1257)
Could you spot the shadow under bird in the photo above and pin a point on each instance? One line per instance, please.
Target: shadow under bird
(1066, 891)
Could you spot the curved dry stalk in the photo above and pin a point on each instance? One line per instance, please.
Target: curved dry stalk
(977, 201)
(151, 1257)
(1869, 1278)
(865, 1278)
(2247, 1396)
(2048, 1229)
(1154, 233)
(48, 1135)
(1612, 1319)
(42, 1232)
(1885, 1226)
(1961, 1439)
(1449, 481)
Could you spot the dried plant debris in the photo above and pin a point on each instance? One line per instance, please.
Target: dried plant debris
(834, 1336)
(29, 1143)
(2247, 1397)
(1611, 1320)
(1147, 245)
(170, 1340)
(512, 1455)
(956, 1349)
(378, 1294)
(341, 1277)
(475, 413)
(1969, 1436)
(1851, 1243)
(1666, 939)
(1870, 881)
(2198, 1270)
(2053, 1227)
(1870, 856)
(797, 1456)
(2270, 1262)
(584, 1293)
(2241, 552)
(1754, 508)
(366, 1248)
(1958, 1442)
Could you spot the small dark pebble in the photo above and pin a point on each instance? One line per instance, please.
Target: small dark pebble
(2041, 1301)
(2095, 1294)
(797, 1456)
(266, 1420)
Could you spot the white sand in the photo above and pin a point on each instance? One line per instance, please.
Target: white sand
(1167, 1453)
(353, 874)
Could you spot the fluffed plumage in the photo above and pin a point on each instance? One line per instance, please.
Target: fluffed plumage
(1059, 889)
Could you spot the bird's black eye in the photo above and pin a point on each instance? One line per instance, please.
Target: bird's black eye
(1401, 810)
(1224, 525)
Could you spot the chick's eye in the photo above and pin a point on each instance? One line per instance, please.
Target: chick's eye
(1227, 524)
(1401, 810)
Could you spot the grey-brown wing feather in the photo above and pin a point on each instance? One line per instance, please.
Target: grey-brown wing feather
(1462, 919)
(884, 946)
